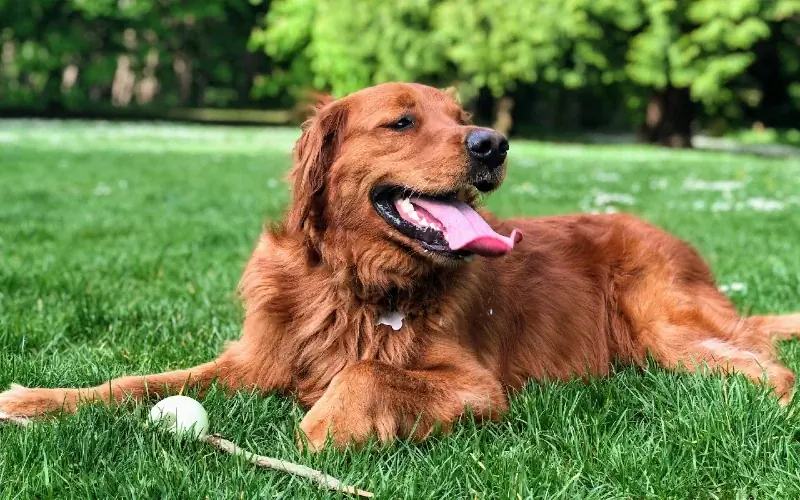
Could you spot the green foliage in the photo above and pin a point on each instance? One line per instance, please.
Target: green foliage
(344, 46)
(78, 55)
(704, 45)
(481, 43)
(700, 44)
(193, 52)
(497, 45)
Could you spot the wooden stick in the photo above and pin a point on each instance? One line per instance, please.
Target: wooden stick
(282, 465)
(267, 462)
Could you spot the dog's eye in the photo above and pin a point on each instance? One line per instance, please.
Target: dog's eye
(401, 124)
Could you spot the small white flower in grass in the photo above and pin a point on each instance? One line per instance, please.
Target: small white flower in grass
(765, 205)
(525, 188)
(181, 415)
(692, 184)
(735, 287)
(722, 206)
(601, 199)
(527, 163)
(101, 190)
(607, 177)
(600, 202)
(272, 183)
(659, 184)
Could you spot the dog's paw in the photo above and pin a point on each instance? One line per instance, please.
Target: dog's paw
(19, 401)
(323, 428)
(344, 417)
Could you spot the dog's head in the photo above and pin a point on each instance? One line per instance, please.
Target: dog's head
(388, 177)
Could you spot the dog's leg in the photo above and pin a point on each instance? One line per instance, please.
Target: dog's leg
(782, 327)
(686, 348)
(699, 329)
(373, 399)
(32, 402)
(255, 361)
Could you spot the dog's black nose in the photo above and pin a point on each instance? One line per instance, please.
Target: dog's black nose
(488, 147)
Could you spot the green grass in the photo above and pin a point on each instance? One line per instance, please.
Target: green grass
(121, 246)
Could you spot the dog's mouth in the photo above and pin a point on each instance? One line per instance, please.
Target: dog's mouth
(441, 224)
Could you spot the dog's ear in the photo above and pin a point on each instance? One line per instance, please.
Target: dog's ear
(452, 91)
(320, 100)
(455, 95)
(309, 102)
(314, 154)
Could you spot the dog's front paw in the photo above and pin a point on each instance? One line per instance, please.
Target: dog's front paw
(346, 416)
(19, 401)
(326, 425)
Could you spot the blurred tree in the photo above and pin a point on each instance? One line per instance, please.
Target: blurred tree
(772, 83)
(690, 51)
(658, 65)
(680, 52)
(342, 46)
(83, 54)
(499, 45)
(474, 44)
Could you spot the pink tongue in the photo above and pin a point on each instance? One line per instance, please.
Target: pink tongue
(466, 230)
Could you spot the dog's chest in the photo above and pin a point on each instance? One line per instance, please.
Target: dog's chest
(348, 339)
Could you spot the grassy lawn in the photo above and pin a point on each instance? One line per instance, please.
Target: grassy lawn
(121, 247)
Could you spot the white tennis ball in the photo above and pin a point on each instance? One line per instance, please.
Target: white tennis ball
(181, 415)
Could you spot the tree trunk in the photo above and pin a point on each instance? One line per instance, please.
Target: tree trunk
(483, 107)
(502, 116)
(774, 81)
(668, 120)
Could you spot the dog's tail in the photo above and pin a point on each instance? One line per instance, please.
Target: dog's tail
(778, 327)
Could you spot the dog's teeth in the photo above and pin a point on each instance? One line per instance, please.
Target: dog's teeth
(408, 209)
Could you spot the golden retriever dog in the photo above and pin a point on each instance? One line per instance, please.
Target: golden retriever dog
(389, 303)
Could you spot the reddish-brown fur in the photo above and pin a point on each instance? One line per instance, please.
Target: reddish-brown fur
(576, 293)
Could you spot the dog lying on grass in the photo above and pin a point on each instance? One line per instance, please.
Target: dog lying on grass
(388, 303)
